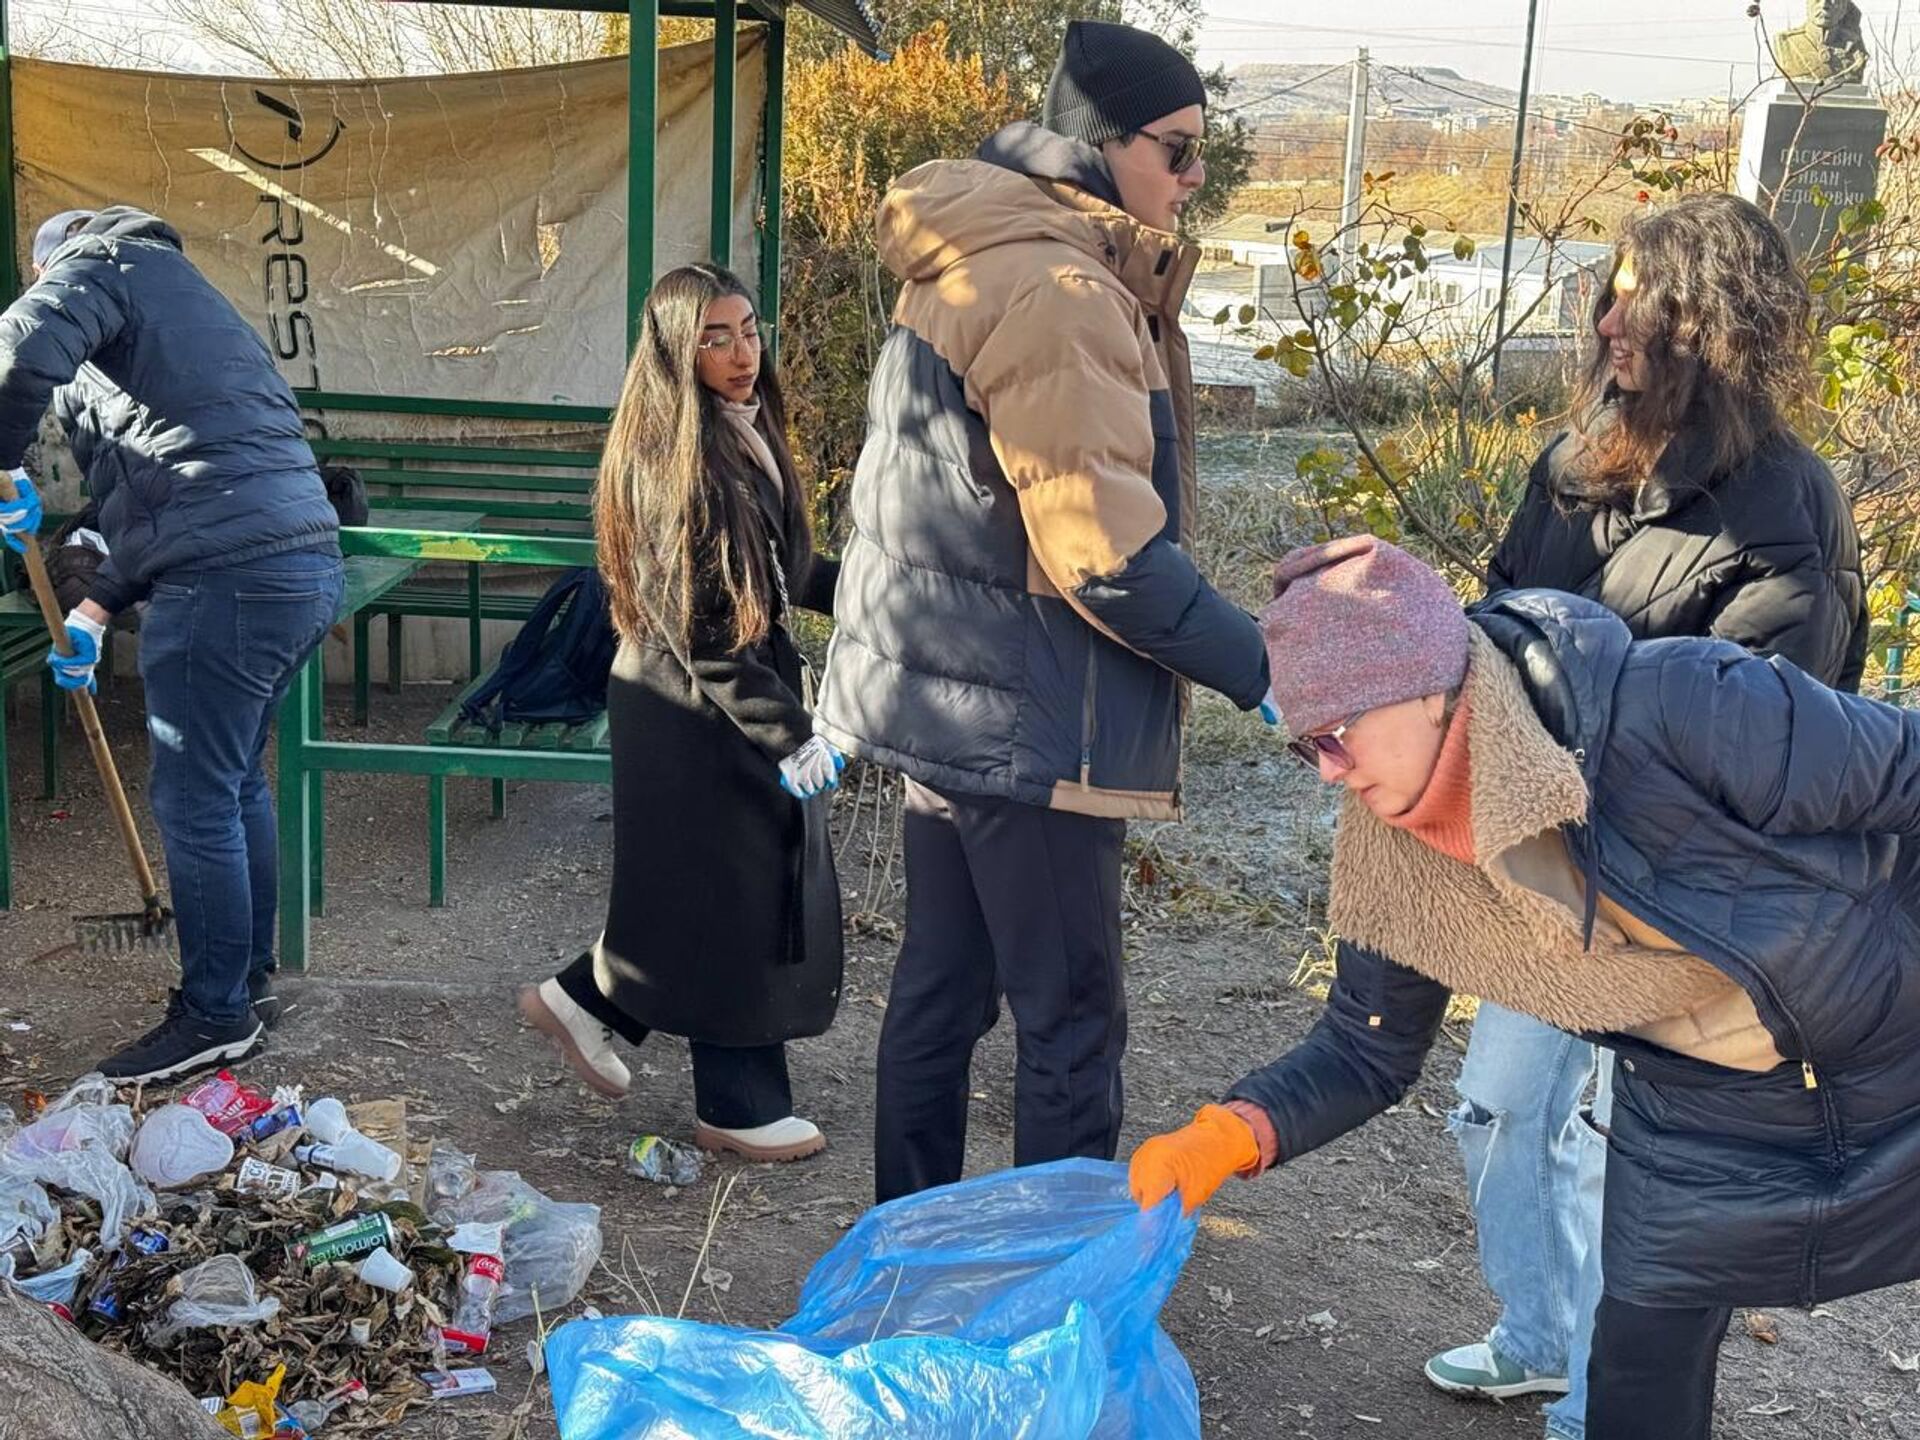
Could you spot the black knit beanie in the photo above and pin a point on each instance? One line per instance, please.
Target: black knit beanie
(1112, 79)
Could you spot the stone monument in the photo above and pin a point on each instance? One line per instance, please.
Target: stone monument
(1816, 129)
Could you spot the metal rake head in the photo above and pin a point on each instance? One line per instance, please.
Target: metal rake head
(142, 930)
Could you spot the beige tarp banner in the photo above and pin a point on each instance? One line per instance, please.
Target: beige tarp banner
(455, 236)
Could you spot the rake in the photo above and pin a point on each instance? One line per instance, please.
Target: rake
(150, 927)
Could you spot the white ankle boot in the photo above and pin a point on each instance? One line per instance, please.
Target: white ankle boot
(788, 1139)
(584, 1042)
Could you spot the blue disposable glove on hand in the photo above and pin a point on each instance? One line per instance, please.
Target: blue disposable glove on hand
(814, 767)
(22, 516)
(1269, 709)
(75, 671)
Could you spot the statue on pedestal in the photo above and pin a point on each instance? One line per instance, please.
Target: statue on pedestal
(1828, 49)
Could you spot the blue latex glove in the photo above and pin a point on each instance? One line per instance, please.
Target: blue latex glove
(22, 516)
(1269, 710)
(813, 768)
(75, 671)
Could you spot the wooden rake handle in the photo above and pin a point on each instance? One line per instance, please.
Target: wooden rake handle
(42, 585)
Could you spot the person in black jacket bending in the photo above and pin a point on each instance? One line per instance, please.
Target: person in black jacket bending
(1704, 859)
(724, 922)
(215, 516)
(1681, 501)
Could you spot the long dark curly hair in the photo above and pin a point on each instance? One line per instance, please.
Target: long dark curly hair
(1721, 310)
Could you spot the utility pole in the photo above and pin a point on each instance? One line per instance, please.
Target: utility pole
(1513, 193)
(1356, 167)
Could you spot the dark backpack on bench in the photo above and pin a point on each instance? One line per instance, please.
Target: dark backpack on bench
(555, 670)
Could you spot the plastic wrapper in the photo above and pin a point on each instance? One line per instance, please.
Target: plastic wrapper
(220, 1291)
(550, 1247)
(983, 1267)
(78, 1144)
(177, 1145)
(229, 1106)
(650, 1378)
(57, 1287)
(25, 1214)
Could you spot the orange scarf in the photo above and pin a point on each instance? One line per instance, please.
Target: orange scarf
(1443, 815)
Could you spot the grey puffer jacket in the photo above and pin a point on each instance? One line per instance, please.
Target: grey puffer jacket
(1770, 825)
(190, 439)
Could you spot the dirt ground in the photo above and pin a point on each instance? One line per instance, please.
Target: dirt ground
(403, 1000)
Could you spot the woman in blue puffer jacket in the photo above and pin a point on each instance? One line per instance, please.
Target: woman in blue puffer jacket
(1705, 860)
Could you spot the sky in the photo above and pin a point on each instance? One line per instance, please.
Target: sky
(1628, 50)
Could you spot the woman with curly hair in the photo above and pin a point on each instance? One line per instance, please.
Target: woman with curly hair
(1679, 498)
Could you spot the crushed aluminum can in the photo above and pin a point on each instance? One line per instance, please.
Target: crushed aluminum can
(664, 1162)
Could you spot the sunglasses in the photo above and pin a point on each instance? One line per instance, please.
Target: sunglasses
(1182, 153)
(1308, 749)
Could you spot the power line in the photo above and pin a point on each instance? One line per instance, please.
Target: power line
(1275, 95)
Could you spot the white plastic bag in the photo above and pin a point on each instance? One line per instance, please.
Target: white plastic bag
(177, 1145)
(78, 1144)
(220, 1291)
(57, 1287)
(25, 1213)
(550, 1248)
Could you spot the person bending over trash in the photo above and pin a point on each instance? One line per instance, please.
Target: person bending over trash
(214, 513)
(1706, 860)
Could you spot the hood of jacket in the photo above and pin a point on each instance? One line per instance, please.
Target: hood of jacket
(1026, 185)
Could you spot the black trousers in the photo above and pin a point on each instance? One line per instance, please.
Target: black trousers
(1651, 1372)
(734, 1087)
(1014, 900)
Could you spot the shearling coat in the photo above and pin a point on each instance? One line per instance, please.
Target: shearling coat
(1770, 827)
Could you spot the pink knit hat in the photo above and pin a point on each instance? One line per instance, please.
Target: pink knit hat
(1355, 624)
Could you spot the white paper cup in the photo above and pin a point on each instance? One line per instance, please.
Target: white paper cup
(382, 1270)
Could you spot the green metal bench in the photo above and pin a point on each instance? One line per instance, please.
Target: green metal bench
(575, 755)
(23, 653)
(461, 479)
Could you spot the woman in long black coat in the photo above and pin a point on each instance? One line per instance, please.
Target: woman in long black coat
(724, 920)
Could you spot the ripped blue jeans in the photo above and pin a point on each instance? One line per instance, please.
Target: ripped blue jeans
(1536, 1169)
(218, 649)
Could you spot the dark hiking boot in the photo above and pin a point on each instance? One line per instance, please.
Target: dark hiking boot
(181, 1045)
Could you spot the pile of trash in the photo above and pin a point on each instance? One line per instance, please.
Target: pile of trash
(297, 1264)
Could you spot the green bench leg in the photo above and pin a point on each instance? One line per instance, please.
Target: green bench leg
(396, 652)
(316, 805)
(6, 813)
(50, 708)
(436, 841)
(362, 638)
(295, 826)
(473, 621)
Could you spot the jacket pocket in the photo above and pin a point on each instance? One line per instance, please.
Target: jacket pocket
(1089, 712)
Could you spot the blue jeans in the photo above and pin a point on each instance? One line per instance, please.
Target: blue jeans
(1536, 1170)
(218, 649)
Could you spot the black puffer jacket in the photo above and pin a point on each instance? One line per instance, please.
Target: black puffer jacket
(190, 439)
(1772, 826)
(1766, 556)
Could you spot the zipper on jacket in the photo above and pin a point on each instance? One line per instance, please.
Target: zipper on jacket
(1087, 714)
(1806, 1074)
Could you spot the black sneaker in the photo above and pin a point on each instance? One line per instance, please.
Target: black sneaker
(181, 1045)
(268, 1006)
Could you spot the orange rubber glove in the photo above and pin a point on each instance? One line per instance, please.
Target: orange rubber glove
(1196, 1160)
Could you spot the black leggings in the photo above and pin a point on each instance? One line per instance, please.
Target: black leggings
(734, 1087)
(1651, 1373)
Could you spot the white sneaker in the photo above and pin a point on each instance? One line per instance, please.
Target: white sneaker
(586, 1044)
(1479, 1369)
(788, 1139)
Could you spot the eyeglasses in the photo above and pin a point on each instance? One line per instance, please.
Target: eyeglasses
(714, 344)
(1183, 152)
(1308, 749)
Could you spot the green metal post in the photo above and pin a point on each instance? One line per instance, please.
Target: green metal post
(317, 798)
(773, 137)
(396, 652)
(9, 256)
(296, 897)
(436, 841)
(643, 104)
(726, 67)
(473, 620)
(6, 815)
(499, 799)
(50, 709)
(362, 638)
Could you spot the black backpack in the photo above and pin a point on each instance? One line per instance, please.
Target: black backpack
(348, 492)
(556, 668)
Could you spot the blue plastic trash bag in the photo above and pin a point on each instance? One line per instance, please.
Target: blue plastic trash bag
(970, 1312)
(643, 1376)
